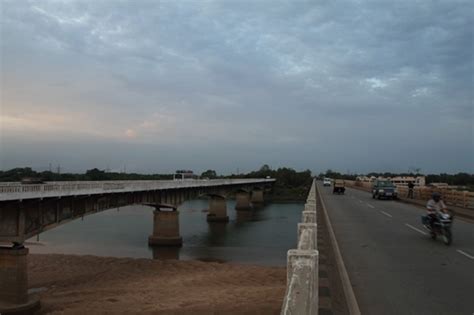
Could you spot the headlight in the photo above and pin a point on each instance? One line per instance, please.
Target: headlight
(395, 191)
(381, 190)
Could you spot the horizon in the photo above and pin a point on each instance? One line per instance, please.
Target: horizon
(314, 174)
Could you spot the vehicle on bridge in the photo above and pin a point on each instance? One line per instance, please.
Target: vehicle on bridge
(384, 188)
(326, 181)
(338, 186)
(31, 180)
(441, 226)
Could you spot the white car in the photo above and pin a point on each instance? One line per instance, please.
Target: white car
(327, 182)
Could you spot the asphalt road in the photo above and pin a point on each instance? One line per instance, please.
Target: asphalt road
(393, 265)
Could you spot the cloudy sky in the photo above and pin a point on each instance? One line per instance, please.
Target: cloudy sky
(155, 86)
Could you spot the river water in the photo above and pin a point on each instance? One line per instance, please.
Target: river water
(261, 236)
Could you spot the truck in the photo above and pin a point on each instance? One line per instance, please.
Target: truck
(338, 186)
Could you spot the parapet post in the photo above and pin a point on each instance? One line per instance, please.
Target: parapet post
(14, 296)
(302, 283)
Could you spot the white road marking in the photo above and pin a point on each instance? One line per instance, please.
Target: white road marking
(465, 254)
(415, 229)
(385, 213)
(370, 206)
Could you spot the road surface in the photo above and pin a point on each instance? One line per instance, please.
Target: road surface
(393, 265)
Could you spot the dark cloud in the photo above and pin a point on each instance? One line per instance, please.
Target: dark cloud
(236, 84)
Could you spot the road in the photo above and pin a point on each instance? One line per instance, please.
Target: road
(393, 265)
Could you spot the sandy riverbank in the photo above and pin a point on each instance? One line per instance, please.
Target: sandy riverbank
(90, 284)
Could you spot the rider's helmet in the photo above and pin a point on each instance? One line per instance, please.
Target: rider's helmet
(436, 196)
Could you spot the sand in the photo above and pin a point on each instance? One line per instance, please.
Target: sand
(70, 284)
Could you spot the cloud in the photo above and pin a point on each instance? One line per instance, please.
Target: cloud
(271, 80)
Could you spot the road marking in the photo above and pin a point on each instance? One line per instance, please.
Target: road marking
(371, 206)
(415, 229)
(385, 213)
(465, 254)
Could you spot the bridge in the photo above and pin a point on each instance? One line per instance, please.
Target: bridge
(29, 209)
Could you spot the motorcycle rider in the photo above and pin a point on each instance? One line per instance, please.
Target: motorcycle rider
(435, 207)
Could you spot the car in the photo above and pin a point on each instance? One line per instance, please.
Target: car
(326, 181)
(338, 187)
(384, 188)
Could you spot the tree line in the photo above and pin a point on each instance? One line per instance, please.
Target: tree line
(18, 174)
(286, 177)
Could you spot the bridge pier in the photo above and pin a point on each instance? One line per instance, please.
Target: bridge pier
(165, 229)
(257, 197)
(14, 296)
(242, 200)
(217, 209)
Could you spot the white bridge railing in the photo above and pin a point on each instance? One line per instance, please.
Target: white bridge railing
(18, 191)
(302, 266)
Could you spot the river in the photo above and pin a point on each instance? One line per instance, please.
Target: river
(261, 236)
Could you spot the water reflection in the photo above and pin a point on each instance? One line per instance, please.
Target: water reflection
(245, 216)
(260, 236)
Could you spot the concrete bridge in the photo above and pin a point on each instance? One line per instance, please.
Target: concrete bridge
(29, 209)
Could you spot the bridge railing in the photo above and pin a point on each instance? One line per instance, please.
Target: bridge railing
(302, 280)
(13, 191)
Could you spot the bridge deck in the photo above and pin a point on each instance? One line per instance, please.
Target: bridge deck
(18, 191)
(394, 266)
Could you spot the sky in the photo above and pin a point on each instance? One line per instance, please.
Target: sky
(155, 86)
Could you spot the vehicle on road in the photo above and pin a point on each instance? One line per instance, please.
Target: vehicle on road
(384, 188)
(441, 225)
(31, 181)
(326, 181)
(338, 186)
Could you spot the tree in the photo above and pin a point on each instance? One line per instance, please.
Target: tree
(265, 168)
(209, 174)
(96, 174)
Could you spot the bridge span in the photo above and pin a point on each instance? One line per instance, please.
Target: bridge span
(29, 209)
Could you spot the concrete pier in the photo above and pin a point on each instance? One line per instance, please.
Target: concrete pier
(165, 229)
(242, 200)
(14, 298)
(257, 197)
(217, 209)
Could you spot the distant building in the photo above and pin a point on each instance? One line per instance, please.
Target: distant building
(365, 179)
(404, 180)
(184, 174)
(397, 180)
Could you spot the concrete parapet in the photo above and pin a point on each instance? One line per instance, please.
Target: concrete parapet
(302, 283)
(307, 235)
(165, 229)
(302, 266)
(309, 217)
(14, 296)
(309, 207)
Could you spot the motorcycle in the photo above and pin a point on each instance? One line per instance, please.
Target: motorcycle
(439, 224)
